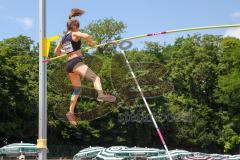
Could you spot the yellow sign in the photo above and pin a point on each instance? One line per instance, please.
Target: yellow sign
(46, 44)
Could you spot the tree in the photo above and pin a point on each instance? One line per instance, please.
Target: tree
(105, 30)
(228, 90)
(18, 90)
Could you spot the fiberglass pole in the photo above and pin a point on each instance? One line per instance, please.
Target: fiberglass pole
(42, 130)
(147, 106)
(152, 34)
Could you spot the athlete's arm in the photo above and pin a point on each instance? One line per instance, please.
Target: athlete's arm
(57, 50)
(87, 38)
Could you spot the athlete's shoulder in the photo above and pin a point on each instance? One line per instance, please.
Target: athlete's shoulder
(81, 34)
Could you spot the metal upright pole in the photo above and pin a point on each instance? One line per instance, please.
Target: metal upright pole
(42, 133)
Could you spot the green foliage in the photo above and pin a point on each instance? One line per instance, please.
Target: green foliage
(103, 31)
(229, 138)
(228, 91)
(191, 121)
(156, 49)
(199, 112)
(230, 58)
(18, 90)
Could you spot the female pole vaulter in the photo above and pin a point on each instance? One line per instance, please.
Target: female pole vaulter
(71, 45)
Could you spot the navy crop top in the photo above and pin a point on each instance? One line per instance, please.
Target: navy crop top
(68, 45)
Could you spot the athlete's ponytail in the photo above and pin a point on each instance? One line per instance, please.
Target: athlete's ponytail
(76, 12)
(73, 22)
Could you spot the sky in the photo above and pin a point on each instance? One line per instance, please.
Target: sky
(141, 16)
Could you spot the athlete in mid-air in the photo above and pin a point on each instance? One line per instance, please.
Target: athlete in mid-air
(71, 45)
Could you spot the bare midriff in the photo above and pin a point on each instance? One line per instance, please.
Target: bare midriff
(74, 54)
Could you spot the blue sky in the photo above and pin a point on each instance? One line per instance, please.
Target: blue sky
(141, 16)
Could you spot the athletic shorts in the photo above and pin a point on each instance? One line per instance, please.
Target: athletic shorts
(72, 63)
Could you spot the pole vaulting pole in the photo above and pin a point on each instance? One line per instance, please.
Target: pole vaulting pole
(153, 34)
(42, 130)
(146, 104)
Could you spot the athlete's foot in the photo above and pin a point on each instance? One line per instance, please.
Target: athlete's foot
(72, 118)
(106, 97)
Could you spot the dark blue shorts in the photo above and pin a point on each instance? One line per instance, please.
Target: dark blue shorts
(71, 63)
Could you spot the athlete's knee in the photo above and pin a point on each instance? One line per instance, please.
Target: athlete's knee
(76, 92)
(97, 79)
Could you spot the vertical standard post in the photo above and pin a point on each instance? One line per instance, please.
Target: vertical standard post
(146, 104)
(42, 133)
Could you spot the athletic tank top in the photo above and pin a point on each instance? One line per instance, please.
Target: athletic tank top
(68, 45)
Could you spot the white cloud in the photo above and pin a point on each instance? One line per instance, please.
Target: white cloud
(236, 15)
(232, 33)
(25, 22)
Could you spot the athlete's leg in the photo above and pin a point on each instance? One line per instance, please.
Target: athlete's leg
(87, 73)
(75, 80)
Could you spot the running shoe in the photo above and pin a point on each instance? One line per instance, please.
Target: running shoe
(106, 97)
